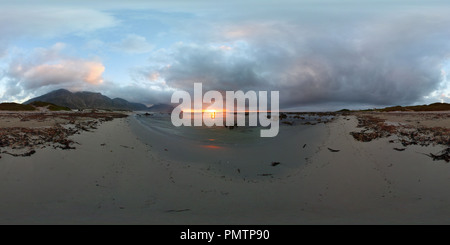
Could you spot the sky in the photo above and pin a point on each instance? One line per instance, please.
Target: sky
(320, 55)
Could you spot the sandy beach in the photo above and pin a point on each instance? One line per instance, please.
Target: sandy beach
(125, 173)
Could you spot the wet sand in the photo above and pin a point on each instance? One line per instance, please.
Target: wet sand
(121, 174)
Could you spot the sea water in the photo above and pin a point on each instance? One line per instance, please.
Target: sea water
(237, 152)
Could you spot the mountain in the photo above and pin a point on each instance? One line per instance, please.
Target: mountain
(161, 108)
(84, 100)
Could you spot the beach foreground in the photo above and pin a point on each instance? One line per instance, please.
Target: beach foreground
(123, 173)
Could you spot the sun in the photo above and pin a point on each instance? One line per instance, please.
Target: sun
(212, 113)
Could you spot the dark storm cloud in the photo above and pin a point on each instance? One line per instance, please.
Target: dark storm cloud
(381, 60)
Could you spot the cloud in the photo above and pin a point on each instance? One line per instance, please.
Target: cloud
(133, 44)
(349, 53)
(51, 22)
(48, 22)
(48, 69)
(379, 60)
(62, 72)
(146, 88)
(141, 93)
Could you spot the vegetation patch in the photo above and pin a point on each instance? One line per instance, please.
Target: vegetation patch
(50, 106)
(16, 107)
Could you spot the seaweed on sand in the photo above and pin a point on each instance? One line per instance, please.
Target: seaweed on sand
(443, 155)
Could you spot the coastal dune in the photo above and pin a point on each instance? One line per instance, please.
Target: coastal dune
(124, 173)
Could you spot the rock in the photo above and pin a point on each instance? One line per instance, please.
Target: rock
(399, 149)
(275, 164)
(332, 150)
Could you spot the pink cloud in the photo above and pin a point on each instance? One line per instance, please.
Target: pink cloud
(47, 69)
(64, 72)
